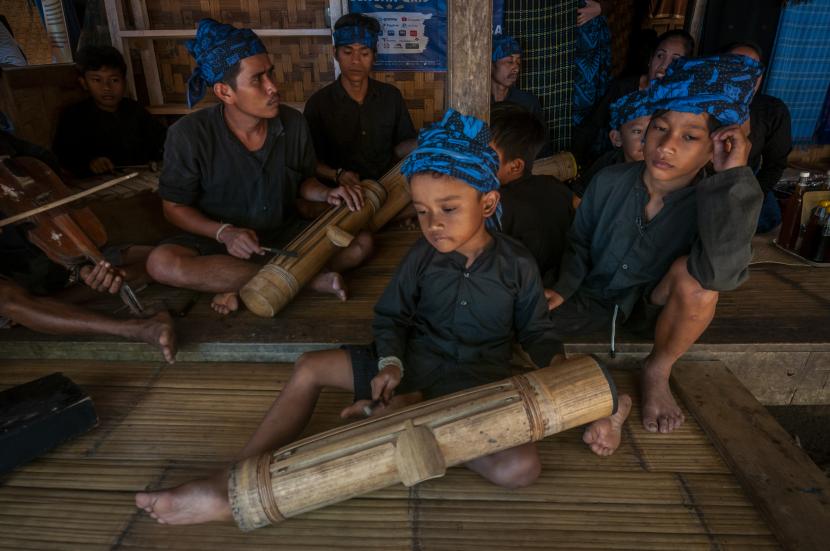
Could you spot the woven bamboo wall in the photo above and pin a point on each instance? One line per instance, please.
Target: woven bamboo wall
(259, 14)
(424, 93)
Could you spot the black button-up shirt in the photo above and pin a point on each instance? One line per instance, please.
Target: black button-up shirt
(207, 167)
(453, 326)
(538, 211)
(614, 255)
(358, 137)
(771, 136)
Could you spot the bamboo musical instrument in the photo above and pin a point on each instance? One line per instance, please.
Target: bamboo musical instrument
(419, 442)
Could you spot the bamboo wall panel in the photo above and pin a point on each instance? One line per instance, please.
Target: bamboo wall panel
(424, 93)
(257, 14)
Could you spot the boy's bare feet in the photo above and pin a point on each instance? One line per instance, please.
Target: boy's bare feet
(330, 282)
(158, 331)
(225, 303)
(195, 502)
(603, 436)
(660, 410)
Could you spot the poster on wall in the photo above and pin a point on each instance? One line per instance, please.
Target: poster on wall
(413, 33)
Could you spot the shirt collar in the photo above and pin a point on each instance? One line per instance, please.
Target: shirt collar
(461, 261)
(275, 127)
(672, 196)
(372, 92)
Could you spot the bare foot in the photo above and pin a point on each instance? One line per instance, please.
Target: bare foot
(225, 303)
(603, 436)
(330, 282)
(660, 411)
(158, 331)
(195, 502)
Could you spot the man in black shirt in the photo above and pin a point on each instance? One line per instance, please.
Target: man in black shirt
(507, 63)
(360, 126)
(771, 136)
(233, 172)
(105, 130)
(537, 210)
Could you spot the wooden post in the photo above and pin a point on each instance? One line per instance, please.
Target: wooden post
(469, 44)
(695, 15)
(55, 24)
(148, 53)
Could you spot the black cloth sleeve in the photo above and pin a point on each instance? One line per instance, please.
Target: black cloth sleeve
(728, 205)
(70, 144)
(181, 179)
(404, 129)
(777, 147)
(534, 330)
(317, 128)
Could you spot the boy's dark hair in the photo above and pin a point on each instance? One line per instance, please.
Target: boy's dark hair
(231, 73)
(688, 40)
(359, 20)
(711, 122)
(518, 133)
(93, 58)
(754, 46)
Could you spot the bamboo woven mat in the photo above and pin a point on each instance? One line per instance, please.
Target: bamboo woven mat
(163, 425)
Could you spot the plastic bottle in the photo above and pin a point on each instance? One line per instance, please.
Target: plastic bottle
(791, 222)
(812, 233)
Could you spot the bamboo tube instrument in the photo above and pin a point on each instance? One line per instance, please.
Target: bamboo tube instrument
(419, 442)
(279, 281)
(561, 166)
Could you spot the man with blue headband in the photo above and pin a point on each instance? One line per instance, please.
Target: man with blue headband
(360, 126)
(654, 242)
(445, 322)
(234, 171)
(507, 63)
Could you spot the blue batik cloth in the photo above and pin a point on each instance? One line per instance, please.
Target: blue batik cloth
(355, 34)
(629, 107)
(721, 85)
(458, 146)
(505, 45)
(216, 48)
(799, 70)
(592, 65)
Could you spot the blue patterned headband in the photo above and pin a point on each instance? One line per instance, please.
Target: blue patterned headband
(458, 146)
(355, 34)
(721, 85)
(505, 45)
(629, 107)
(216, 48)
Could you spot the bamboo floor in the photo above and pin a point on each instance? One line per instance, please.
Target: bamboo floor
(161, 425)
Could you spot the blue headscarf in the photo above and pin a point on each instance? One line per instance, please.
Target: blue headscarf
(721, 85)
(629, 107)
(505, 45)
(216, 48)
(458, 146)
(355, 34)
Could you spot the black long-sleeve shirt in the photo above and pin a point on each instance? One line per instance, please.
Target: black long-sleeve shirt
(771, 137)
(453, 326)
(614, 255)
(128, 136)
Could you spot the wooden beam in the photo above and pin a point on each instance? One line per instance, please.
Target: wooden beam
(695, 14)
(786, 486)
(115, 21)
(190, 33)
(469, 47)
(147, 51)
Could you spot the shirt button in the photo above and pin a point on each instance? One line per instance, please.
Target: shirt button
(467, 275)
(463, 303)
(625, 266)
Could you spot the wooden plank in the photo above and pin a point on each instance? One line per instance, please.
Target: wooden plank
(147, 53)
(190, 33)
(779, 477)
(468, 58)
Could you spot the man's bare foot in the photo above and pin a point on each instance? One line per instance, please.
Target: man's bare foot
(330, 282)
(660, 411)
(158, 331)
(225, 303)
(195, 502)
(603, 436)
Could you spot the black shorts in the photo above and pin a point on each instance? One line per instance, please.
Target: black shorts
(206, 246)
(580, 315)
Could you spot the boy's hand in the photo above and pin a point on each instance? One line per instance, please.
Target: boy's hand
(103, 277)
(731, 148)
(101, 165)
(385, 382)
(554, 299)
(591, 10)
(348, 178)
(351, 194)
(240, 242)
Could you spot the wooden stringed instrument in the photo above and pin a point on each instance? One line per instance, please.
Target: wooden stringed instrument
(68, 237)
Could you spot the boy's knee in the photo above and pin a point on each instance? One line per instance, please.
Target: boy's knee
(163, 265)
(304, 368)
(688, 289)
(365, 243)
(519, 471)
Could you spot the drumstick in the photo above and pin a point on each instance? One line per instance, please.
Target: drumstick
(282, 252)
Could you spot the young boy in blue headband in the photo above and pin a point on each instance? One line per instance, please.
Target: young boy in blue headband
(446, 322)
(661, 238)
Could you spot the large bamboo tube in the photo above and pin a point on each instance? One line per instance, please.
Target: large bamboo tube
(417, 443)
(561, 166)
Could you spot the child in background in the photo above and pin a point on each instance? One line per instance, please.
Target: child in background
(537, 210)
(106, 130)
